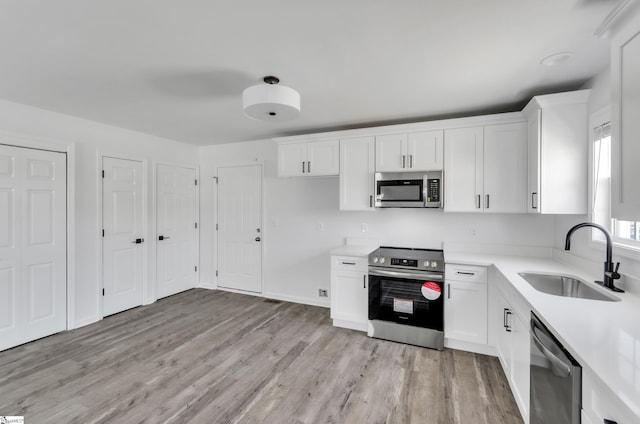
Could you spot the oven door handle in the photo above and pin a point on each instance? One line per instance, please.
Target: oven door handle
(402, 274)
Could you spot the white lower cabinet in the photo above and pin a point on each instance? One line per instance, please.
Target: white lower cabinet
(465, 307)
(600, 404)
(513, 343)
(349, 292)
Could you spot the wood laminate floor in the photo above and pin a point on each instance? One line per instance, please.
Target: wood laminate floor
(215, 357)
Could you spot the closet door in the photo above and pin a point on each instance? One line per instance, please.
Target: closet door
(177, 243)
(33, 244)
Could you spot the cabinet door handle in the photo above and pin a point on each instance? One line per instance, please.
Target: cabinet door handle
(448, 291)
(534, 198)
(410, 161)
(303, 167)
(348, 263)
(404, 160)
(465, 273)
(486, 202)
(364, 281)
(507, 327)
(309, 167)
(477, 201)
(370, 201)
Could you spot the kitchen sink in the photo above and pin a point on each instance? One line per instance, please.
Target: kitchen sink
(563, 285)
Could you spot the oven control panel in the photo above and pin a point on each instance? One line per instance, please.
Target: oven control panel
(416, 259)
(404, 262)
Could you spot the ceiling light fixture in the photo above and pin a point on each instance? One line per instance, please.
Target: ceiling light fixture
(556, 59)
(270, 101)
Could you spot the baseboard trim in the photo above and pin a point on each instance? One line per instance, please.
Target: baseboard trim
(85, 321)
(297, 299)
(470, 347)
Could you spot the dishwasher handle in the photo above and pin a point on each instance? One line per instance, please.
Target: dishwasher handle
(558, 366)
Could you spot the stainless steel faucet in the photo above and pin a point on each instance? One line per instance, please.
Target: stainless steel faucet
(610, 274)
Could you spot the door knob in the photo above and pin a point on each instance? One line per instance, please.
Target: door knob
(257, 238)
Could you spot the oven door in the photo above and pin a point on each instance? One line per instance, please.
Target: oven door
(405, 297)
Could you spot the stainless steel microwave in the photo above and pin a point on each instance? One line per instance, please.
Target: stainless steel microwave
(409, 189)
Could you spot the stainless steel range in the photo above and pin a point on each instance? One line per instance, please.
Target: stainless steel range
(406, 302)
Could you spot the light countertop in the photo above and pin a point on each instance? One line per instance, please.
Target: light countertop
(604, 337)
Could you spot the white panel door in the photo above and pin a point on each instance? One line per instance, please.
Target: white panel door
(33, 244)
(391, 153)
(122, 217)
(463, 169)
(177, 242)
(323, 158)
(426, 151)
(505, 168)
(240, 228)
(292, 159)
(357, 168)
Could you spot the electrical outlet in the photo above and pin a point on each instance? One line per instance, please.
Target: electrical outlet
(323, 293)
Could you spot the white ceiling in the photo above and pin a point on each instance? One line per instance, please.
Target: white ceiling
(177, 69)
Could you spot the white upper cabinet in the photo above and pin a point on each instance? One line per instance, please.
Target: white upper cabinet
(625, 124)
(309, 159)
(505, 167)
(422, 151)
(486, 168)
(558, 153)
(357, 167)
(463, 169)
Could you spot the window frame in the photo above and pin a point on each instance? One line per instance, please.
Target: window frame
(624, 247)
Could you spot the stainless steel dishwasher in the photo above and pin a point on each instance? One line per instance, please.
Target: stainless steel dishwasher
(556, 379)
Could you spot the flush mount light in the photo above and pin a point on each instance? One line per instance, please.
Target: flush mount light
(271, 101)
(556, 59)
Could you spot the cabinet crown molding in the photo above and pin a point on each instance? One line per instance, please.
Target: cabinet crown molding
(556, 99)
(616, 17)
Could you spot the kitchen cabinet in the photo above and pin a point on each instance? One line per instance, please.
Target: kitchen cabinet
(309, 159)
(357, 168)
(420, 151)
(557, 153)
(625, 110)
(599, 403)
(485, 168)
(513, 341)
(465, 307)
(349, 292)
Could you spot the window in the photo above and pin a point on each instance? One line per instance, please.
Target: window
(625, 233)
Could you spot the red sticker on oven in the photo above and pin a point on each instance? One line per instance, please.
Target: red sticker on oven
(431, 290)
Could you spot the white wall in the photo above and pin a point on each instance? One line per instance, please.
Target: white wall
(89, 139)
(296, 261)
(581, 244)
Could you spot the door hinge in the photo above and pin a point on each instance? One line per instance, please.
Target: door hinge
(103, 232)
(216, 272)
(103, 173)
(196, 225)
(196, 267)
(103, 292)
(196, 182)
(216, 178)
(216, 227)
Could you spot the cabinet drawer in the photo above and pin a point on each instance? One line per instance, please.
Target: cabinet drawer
(598, 403)
(349, 263)
(466, 273)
